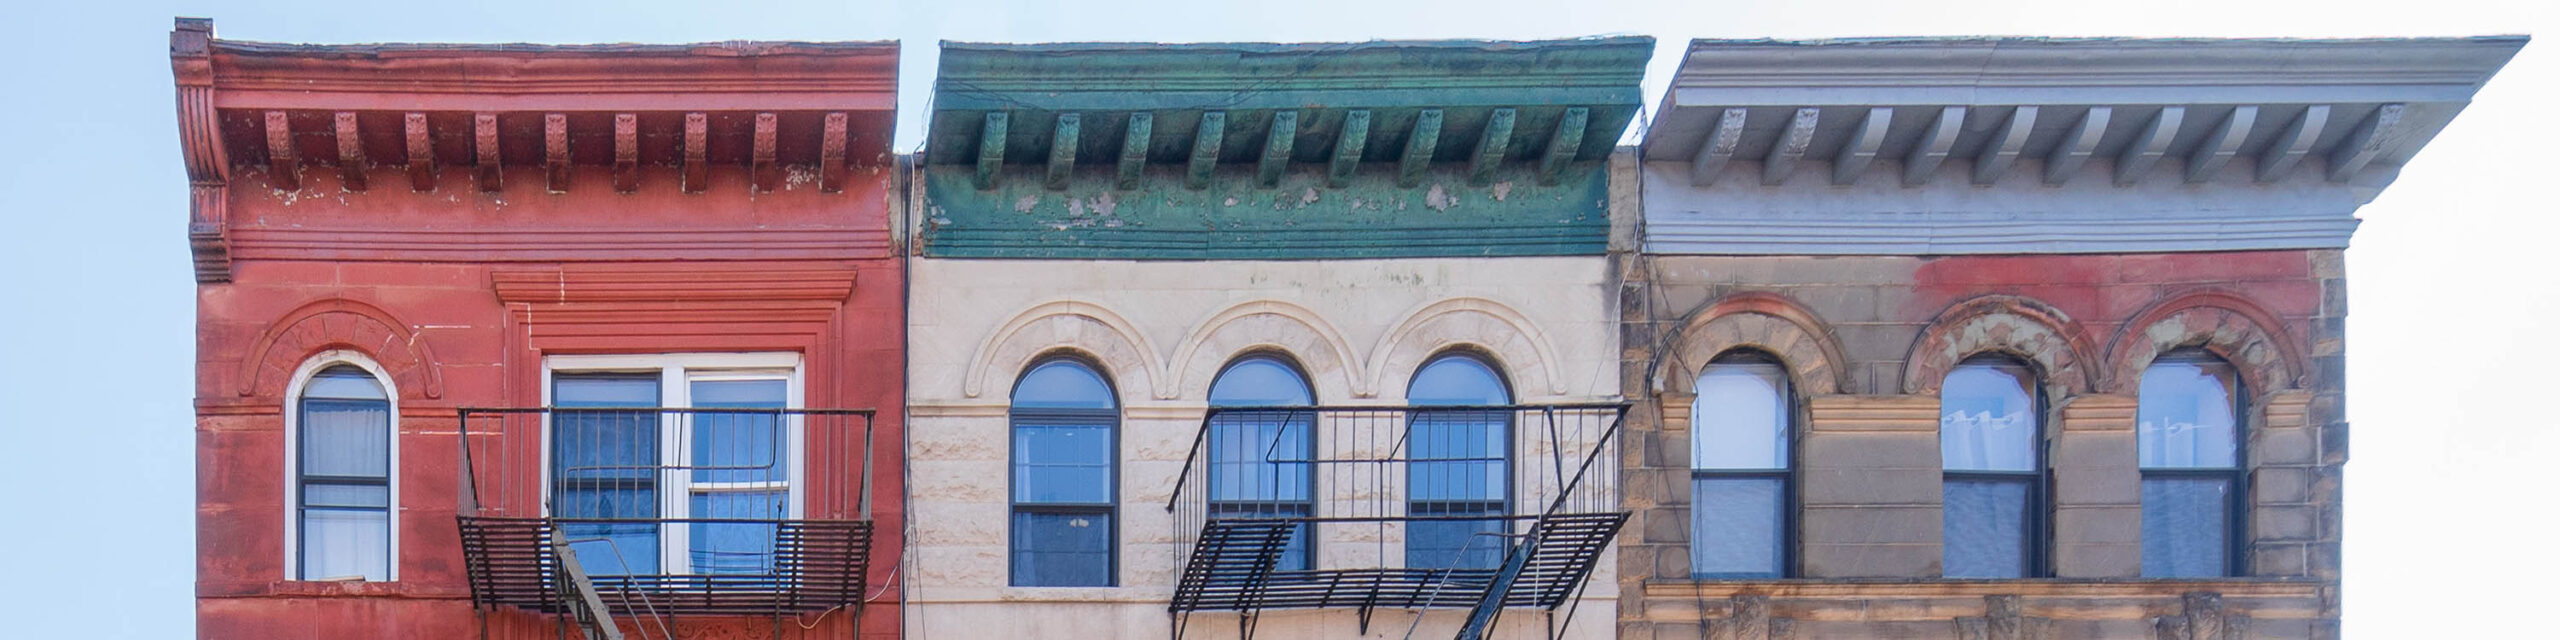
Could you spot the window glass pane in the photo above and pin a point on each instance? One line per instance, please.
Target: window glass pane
(734, 547)
(2188, 414)
(1459, 455)
(342, 495)
(1987, 418)
(346, 438)
(346, 542)
(1260, 456)
(1986, 528)
(1260, 381)
(740, 447)
(344, 382)
(1737, 526)
(1458, 379)
(2185, 522)
(614, 548)
(1442, 544)
(604, 390)
(1740, 418)
(1069, 463)
(1061, 549)
(1062, 384)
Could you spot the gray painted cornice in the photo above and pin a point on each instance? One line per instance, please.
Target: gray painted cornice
(2029, 129)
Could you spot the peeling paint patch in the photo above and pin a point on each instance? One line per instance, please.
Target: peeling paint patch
(1231, 201)
(1025, 203)
(1309, 198)
(1501, 191)
(1438, 199)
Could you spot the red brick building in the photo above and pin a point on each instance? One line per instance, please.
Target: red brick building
(388, 237)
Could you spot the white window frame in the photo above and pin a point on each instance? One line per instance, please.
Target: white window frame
(676, 374)
(293, 456)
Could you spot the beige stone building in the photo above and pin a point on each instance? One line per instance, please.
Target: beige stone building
(1093, 330)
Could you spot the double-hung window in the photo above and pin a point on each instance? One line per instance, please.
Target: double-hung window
(674, 464)
(1259, 460)
(1065, 480)
(1991, 440)
(2187, 433)
(343, 476)
(1459, 480)
(1741, 476)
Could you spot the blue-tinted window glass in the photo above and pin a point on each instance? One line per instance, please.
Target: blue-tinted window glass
(1064, 477)
(1062, 384)
(2188, 417)
(1461, 465)
(1987, 418)
(1260, 460)
(605, 467)
(345, 466)
(2187, 431)
(736, 547)
(1061, 549)
(1739, 420)
(2185, 521)
(1061, 463)
(1986, 528)
(1737, 525)
(739, 447)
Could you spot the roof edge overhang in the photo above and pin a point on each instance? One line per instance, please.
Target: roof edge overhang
(834, 76)
(2350, 111)
(1555, 102)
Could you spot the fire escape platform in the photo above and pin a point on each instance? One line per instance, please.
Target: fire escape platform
(820, 564)
(1231, 571)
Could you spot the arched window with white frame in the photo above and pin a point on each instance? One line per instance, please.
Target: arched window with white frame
(341, 461)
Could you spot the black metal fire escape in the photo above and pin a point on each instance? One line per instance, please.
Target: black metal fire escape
(540, 535)
(1362, 467)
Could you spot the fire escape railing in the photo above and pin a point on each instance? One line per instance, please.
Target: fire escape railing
(670, 512)
(1416, 507)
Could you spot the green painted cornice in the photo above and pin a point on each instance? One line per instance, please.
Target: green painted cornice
(1277, 151)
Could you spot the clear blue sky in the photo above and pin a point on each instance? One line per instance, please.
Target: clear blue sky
(2454, 335)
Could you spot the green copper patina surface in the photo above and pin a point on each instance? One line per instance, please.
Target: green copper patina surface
(1276, 151)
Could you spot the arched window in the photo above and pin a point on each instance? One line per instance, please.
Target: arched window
(1066, 479)
(342, 469)
(2188, 434)
(1990, 435)
(1259, 460)
(1460, 475)
(1742, 475)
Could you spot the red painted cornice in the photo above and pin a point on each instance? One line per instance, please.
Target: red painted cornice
(846, 76)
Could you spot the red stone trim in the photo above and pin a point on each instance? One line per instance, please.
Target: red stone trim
(339, 323)
(1976, 325)
(2228, 324)
(1810, 352)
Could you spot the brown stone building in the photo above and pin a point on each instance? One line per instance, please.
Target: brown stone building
(2002, 339)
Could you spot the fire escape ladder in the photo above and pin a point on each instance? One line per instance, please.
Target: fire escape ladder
(584, 604)
(1480, 617)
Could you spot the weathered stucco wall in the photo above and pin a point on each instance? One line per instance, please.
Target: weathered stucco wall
(1162, 331)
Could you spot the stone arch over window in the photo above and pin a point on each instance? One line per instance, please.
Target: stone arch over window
(1500, 334)
(341, 324)
(2031, 331)
(2225, 324)
(1269, 325)
(1094, 332)
(1756, 321)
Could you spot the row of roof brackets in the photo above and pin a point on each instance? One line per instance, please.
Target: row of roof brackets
(488, 172)
(2008, 142)
(1351, 140)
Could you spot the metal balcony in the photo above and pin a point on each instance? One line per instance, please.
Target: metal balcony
(1480, 508)
(666, 512)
